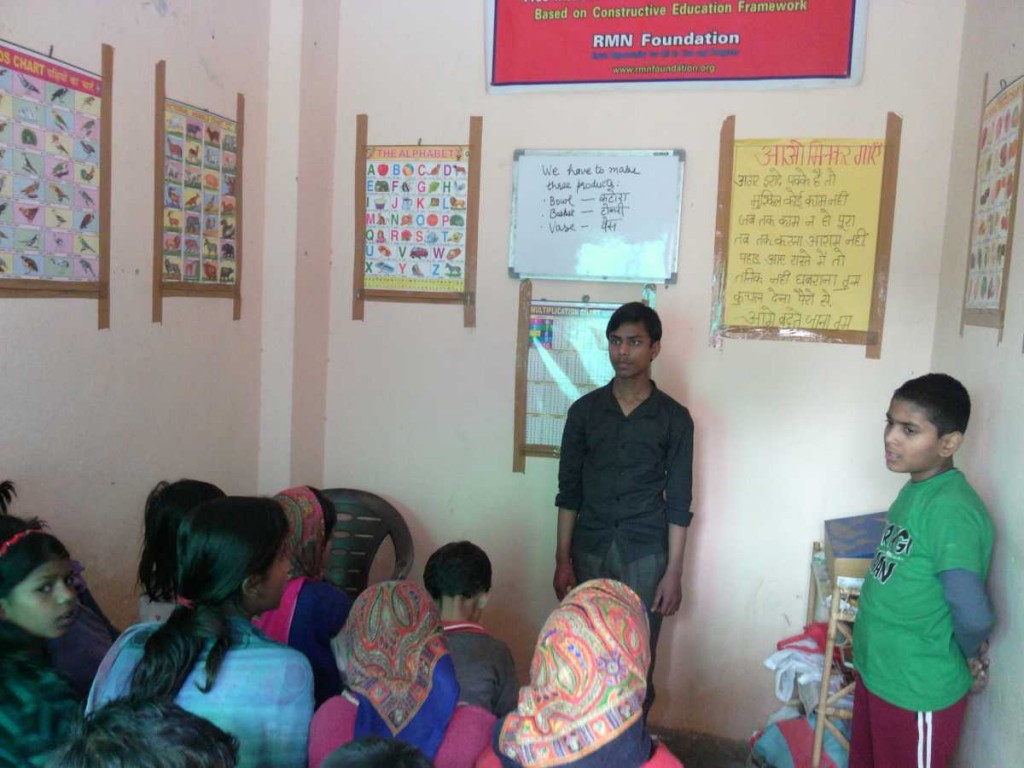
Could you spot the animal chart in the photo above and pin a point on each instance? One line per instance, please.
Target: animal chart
(200, 179)
(995, 202)
(50, 151)
(416, 218)
(804, 234)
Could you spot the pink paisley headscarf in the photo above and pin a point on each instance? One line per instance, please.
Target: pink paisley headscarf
(306, 538)
(307, 533)
(587, 678)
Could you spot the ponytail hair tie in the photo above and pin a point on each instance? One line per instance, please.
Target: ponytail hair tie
(184, 602)
(16, 538)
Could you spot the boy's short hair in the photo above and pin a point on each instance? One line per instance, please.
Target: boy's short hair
(458, 568)
(376, 752)
(146, 733)
(635, 312)
(943, 399)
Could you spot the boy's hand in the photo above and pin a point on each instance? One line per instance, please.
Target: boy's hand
(979, 669)
(565, 579)
(668, 595)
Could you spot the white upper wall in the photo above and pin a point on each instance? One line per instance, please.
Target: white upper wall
(93, 419)
(419, 409)
(993, 372)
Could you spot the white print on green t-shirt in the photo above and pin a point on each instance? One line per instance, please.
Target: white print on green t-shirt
(893, 550)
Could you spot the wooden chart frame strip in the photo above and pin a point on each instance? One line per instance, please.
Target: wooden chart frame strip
(872, 338)
(522, 359)
(467, 297)
(99, 290)
(161, 288)
(991, 318)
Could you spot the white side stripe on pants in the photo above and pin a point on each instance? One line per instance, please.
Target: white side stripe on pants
(924, 740)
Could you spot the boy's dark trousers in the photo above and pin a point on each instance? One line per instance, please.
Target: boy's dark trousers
(642, 576)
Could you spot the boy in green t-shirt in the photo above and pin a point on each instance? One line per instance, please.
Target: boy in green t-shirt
(925, 616)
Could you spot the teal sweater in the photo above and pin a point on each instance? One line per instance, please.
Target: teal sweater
(38, 708)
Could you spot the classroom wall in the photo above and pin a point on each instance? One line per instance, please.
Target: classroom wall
(93, 419)
(419, 409)
(993, 453)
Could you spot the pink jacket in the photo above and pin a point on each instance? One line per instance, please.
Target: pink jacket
(469, 731)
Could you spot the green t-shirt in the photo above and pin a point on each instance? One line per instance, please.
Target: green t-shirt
(903, 640)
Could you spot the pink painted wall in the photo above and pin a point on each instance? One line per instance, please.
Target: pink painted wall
(93, 419)
(993, 371)
(419, 409)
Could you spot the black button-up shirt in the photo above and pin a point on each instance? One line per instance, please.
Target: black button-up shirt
(627, 476)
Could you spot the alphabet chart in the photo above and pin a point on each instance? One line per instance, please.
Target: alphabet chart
(416, 222)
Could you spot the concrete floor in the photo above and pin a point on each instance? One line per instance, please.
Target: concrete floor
(701, 750)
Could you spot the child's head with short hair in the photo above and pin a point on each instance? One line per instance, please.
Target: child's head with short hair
(37, 591)
(943, 399)
(458, 575)
(147, 733)
(376, 752)
(635, 312)
(925, 425)
(166, 507)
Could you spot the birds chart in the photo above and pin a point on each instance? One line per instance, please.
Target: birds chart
(199, 196)
(49, 168)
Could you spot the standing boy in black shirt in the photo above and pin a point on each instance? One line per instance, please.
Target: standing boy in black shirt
(625, 476)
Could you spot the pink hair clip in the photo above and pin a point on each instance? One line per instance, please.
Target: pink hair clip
(15, 539)
(184, 602)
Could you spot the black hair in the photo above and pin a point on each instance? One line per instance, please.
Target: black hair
(220, 544)
(330, 513)
(635, 312)
(7, 493)
(458, 568)
(376, 752)
(166, 506)
(943, 399)
(137, 733)
(28, 553)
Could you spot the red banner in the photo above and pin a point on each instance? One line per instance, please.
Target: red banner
(548, 42)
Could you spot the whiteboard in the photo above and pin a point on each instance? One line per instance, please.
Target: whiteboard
(596, 215)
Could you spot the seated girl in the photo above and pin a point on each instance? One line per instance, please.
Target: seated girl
(77, 653)
(208, 657)
(401, 682)
(584, 704)
(166, 506)
(312, 610)
(38, 601)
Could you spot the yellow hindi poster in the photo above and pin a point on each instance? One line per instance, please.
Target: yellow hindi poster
(803, 229)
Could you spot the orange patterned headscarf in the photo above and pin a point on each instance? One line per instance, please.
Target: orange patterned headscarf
(396, 659)
(587, 679)
(307, 532)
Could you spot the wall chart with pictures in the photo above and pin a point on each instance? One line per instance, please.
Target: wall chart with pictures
(994, 205)
(416, 221)
(54, 164)
(561, 355)
(199, 165)
(416, 218)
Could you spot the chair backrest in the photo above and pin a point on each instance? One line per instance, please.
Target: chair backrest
(364, 521)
